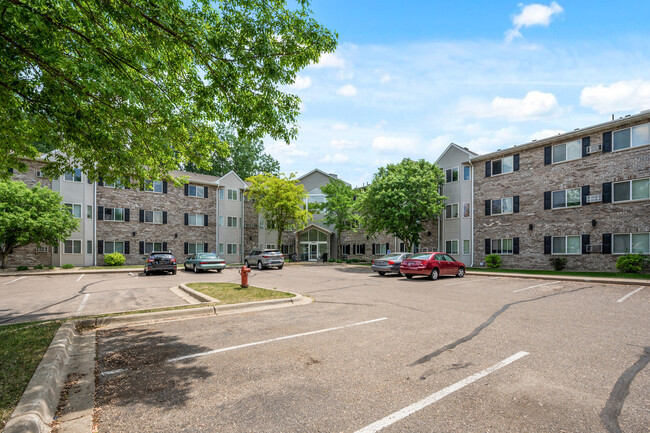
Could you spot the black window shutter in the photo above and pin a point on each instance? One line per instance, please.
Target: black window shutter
(488, 169)
(585, 145)
(515, 245)
(515, 204)
(515, 162)
(164, 217)
(100, 212)
(585, 193)
(387, 246)
(607, 192)
(127, 247)
(185, 248)
(186, 222)
(141, 217)
(547, 155)
(547, 245)
(607, 141)
(488, 207)
(488, 246)
(205, 220)
(373, 249)
(354, 248)
(127, 214)
(585, 242)
(205, 192)
(547, 199)
(363, 248)
(205, 247)
(185, 189)
(164, 245)
(101, 181)
(164, 187)
(607, 243)
(100, 247)
(141, 247)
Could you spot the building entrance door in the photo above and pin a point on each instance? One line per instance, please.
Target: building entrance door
(313, 252)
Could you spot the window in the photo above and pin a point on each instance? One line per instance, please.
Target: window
(314, 201)
(467, 172)
(113, 247)
(113, 214)
(71, 246)
(359, 249)
(220, 194)
(89, 247)
(195, 191)
(232, 221)
(635, 243)
(221, 220)
(232, 248)
(632, 137)
(89, 212)
(566, 245)
(451, 211)
(380, 249)
(73, 176)
(452, 175)
(291, 249)
(220, 248)
(501, 246)
(632, 190)
(152, 246)
(232, 194)
(153, 186)
(40, 249)
(117, 184)
(466, 247)
(75, 209)
(503, 165)
(451, 247)
(502, 206)
(270, 246)
(567, 151)
(55, 249)
(195, 220)
(153, 216)
(466, 210)
(567, 198)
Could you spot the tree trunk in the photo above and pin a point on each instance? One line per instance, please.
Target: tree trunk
(279, 243)
(4, 255)
(339, 253)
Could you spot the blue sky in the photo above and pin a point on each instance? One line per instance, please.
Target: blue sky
(408, 79)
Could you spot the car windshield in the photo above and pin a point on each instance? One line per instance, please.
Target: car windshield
(161, 256)
(420, 256)
(272, 251)
(208, 256)
(391, 256)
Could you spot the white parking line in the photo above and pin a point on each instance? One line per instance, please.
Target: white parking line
(537, 285)
(83, 304)
(82, 275)
(13, 281)
(471, 281)
(134, 276)
(409, 410)
(629, 294)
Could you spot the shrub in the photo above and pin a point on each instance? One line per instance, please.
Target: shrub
(493, 261)
(38, 267)
(331, 260)
(67, 266)
(50, 267)
(114, 259)
(339, 261)
(22, 268)
(558, 263)
(630, 263)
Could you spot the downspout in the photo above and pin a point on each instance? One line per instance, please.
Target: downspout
(241, 246)
(439, 232)
(216, 205)
(94, 224)
(471, 217)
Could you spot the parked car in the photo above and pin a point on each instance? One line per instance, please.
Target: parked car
(265, 259)
(432, 265)
(160, 261)
(390, 263)
(204, 262)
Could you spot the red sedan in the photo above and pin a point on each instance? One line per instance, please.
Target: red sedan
(432, 265)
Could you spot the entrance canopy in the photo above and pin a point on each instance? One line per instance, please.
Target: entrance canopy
(313, 242)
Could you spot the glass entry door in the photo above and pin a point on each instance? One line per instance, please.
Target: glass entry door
(313, 252)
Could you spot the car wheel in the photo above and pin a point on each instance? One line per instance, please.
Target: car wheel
(382, 273)
(196, 271)
(280, 267)
(409, 276)
(147, 273)
(174, 272)
(434, 274)
(219, 270)
(399, 274)
(246, 263)
(461, 272)
(260, 266)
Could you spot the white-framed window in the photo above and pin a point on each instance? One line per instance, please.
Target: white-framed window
(153, 186)
(55, 249)
(315, 199)
(195, 220)
(113, 214)
(117, 184)
(153, 216)
(635, 243)
(501, 246)
(571, 197)
(291, 248)
(631, 190)
(467, 172)
(359, 249)
(89, 212)
(467, 210)
(466, 247)
(631, 137)
(232, 194)
(502, 206)
(380, 249)
(567, 151)
(113, 247)
(152, 246)
(221, 194)
(261, 223)
(195, 248)
(503, 165)
(232, 221)
(221, 220)
(231, 248)
(451, 247)
(451, 175)
(566, 245)
(270, 246)
(89, 247)
(73, 176)
(451, 211)
(72, 246)
(74, 208)
(41, 249)
(220, 248)
(195, 191)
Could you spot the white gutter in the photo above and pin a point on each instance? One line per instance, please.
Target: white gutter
(216, 205)
(241, 224)
(471, 216)
(94, 224)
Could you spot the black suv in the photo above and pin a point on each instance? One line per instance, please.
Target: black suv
(163, 261)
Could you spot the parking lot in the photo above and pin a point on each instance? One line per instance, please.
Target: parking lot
(373, 353)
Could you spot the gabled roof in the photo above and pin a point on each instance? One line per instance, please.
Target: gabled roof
(453, 145)
(317, 170)
(316, 226)
(244, 184)
(196, 177)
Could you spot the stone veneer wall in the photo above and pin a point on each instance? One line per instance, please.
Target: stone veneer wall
(251, 232)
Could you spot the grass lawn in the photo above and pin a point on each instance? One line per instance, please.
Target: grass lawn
(232, 293)
(21, 349)
(568, 273)
(90, 268)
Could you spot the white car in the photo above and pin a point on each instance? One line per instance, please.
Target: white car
(265, 259)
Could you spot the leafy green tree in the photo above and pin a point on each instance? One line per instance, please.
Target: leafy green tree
(338, 209)
(133, 89)
(31, 215)
(400, 198)
(280, 201)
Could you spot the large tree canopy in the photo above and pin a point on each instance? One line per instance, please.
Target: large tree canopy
(339, 209)
(400, 198)
(132, 89)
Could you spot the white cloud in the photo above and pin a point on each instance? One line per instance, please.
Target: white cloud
(337, 158)
(329, 60)
(534, 105)
(343, 144)
(545, 133)
(384, 143)
(340, 127)
(489, 141)
(532, 15)
(386, 78)
(631, 95)
(301, 82)
(347, 90)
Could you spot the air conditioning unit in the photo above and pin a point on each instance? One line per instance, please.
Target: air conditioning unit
(594, 198)
(594, 148)
(595, 248)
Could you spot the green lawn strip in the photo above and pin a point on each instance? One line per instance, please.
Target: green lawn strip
(22, 347)
(232, 293)
(566, 273)
(90, 268)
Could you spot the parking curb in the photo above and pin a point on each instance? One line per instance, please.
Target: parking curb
(197, 295)
(603, 280)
